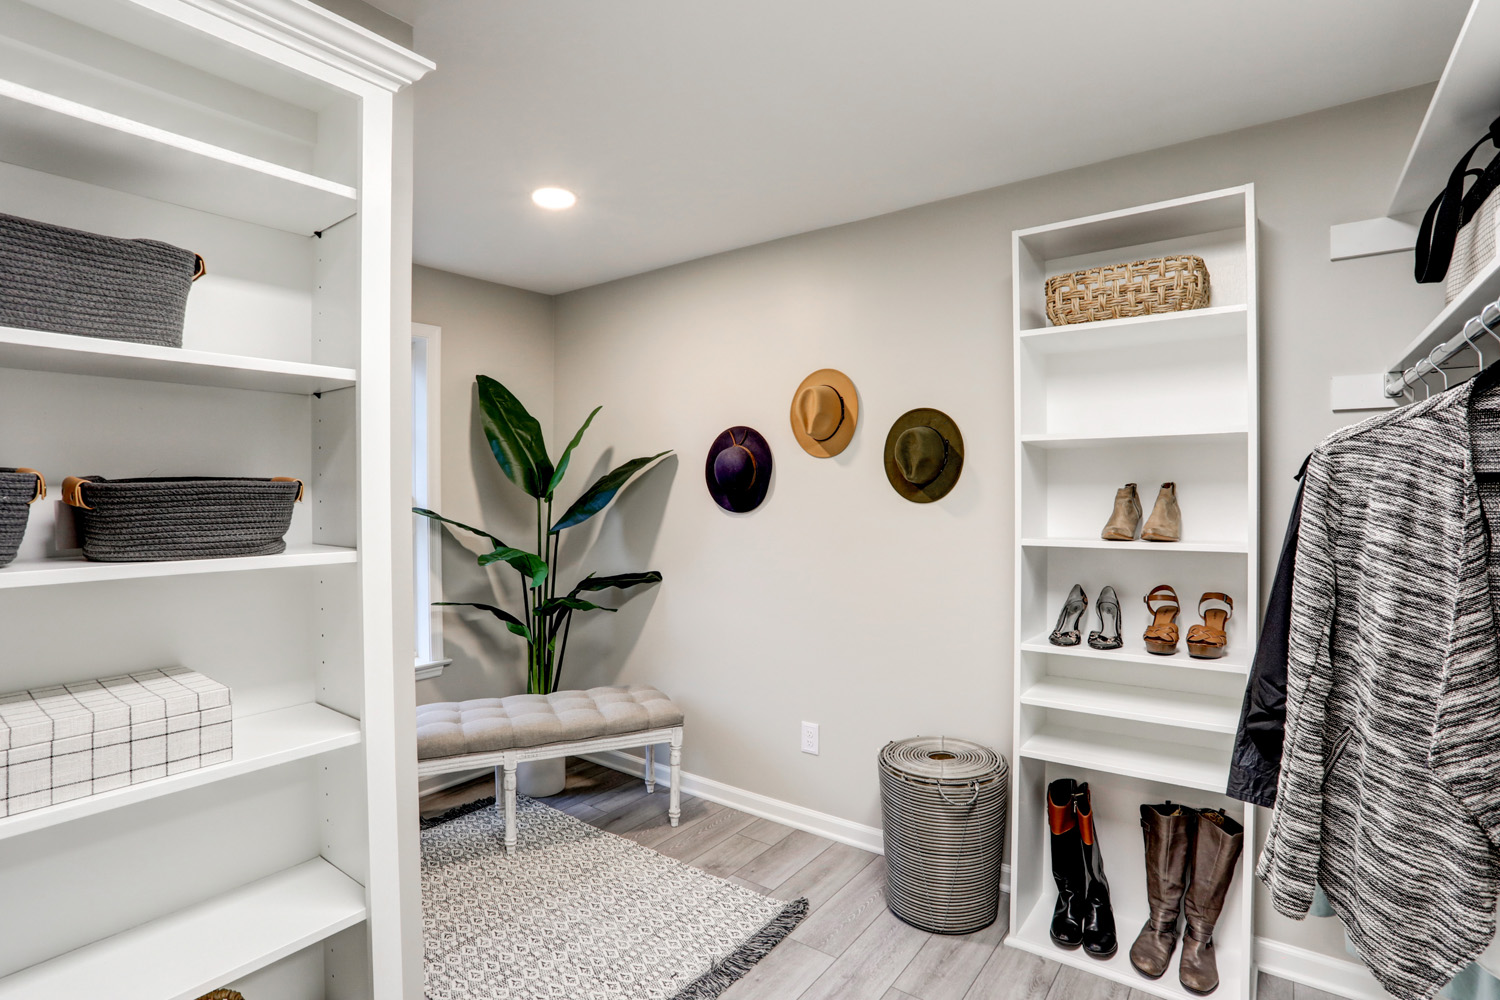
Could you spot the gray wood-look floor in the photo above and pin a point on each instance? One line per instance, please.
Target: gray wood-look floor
(850, 946)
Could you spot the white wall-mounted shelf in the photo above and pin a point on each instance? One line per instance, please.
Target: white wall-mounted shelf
(1155, 330)
(1227, 435)
(57, 136)
(1159, 707)
(1186, 545)
(1134, 651)
(53, 572)
(1177, 764)
(186, 954)
(260, 741)
(41, 351)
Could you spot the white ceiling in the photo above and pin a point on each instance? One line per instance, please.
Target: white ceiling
(688, 127)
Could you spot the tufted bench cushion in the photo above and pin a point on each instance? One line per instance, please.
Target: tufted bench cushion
(481, 725)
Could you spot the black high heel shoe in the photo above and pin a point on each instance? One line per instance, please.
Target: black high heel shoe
(1073, 609)
(1108, 609)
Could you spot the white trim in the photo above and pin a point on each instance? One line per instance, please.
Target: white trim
(439, 783)
(427, 465)
(426, 670)
(1343, 977)
(549, 751)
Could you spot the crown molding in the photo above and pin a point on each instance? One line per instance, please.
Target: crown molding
(324, 36)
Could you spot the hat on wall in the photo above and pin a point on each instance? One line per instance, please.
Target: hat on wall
(924, 454)
(738, 470)
(825, 410)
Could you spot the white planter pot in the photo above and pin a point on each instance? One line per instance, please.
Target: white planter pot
(539, 778)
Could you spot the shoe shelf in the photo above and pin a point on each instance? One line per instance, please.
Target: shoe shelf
(51, 572)
(260, 741)
(40, 351)
(186, 954)
(1146, 400)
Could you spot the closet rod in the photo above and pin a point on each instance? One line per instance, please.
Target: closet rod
(1397, 383)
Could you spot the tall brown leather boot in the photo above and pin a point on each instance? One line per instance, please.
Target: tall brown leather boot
(1168, 831)
(1215, 853)
(1126, 517)
(1165, 522)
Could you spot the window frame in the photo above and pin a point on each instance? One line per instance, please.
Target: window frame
(426, 465)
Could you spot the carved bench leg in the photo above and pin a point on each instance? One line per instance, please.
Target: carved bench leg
(650, 769)
(510, 807)
(674, 806)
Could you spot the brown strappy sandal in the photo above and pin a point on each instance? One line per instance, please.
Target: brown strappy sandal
(1161, 634)
(1209, 640)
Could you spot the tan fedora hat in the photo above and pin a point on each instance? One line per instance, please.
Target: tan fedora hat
(825, 411)
(924, 454)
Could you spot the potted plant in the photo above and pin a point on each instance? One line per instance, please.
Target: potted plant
(546, 617)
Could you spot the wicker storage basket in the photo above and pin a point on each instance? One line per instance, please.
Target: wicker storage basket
(19, 489)
(69, 281)
(223, 995)
(1161, 284)
(151, 520)
(943, 801)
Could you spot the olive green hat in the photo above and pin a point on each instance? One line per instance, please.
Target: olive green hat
(924, 454)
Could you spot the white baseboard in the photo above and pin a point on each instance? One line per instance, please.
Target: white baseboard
(439, 782)
(866, 838)
(1343, 977)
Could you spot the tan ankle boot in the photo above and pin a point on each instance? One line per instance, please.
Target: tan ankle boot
(1165, 522)
(1126, 518)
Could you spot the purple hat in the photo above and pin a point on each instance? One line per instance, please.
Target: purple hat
(738, 470)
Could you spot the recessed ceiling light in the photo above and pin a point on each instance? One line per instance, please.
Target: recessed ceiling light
(554, 198)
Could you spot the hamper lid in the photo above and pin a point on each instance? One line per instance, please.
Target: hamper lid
(941, 758)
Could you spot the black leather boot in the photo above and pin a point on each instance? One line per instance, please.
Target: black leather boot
(1098, 917)
(1067, 864)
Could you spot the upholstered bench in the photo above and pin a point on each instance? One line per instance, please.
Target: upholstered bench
(502, 732)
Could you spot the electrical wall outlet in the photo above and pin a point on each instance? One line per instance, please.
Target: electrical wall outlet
(810, 737)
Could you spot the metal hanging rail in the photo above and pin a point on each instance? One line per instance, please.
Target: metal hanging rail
(1403, 384)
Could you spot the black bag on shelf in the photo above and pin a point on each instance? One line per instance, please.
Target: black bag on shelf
(19, 489)
(1453, 208)
(154, 520)
(69, 281)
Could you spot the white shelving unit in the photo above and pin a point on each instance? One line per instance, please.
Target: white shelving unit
(1151, 399)
(258, 133)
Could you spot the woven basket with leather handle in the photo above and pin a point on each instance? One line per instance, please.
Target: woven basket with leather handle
(19, 489)
(1161, 284)
(223, 995)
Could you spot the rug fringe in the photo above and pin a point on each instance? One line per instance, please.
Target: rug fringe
(457, 811)
(724, 975)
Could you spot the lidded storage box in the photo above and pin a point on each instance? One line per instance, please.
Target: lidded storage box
(151, 520)
(69, 281)
(19, 489)
(66, 742)
(944, 802)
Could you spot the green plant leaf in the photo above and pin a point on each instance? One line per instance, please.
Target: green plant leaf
(511, 621)
(557, 605)
(458, 524)
(567, 455)
(529, 564)
(598, 496)
(515, 438)
(619, 581)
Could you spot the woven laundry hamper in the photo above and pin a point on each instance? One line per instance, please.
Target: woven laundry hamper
(152, 520)
(69, 281)
(19, 489)
(943, 801)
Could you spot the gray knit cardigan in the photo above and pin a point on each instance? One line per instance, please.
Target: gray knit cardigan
(1389, 795)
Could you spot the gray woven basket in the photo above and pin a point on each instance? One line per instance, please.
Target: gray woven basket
(152, 520)
(943, 801)
(69, 281)
(19, 489)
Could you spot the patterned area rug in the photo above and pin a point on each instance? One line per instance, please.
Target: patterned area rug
(580, 914)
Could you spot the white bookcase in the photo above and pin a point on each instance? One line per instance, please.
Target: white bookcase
(1152, 399)
(258, 133)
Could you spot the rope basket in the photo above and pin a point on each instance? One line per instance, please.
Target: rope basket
(1161, 284)
(223, 995)
(943, 801)
(70, 281)
(151, 520)
(19, 489)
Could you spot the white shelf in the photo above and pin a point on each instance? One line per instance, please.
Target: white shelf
(1461, 109)
(1186, 545)
(40, 351)
(1031, 935)
(1138, 331)
(1228, 435)
(57, 136)
(1135, 652)
(260, 741)
(1183, 709)
(49, 572)
(185, 954)
(1151, 760)
(1210, 212)
(1483, 290)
